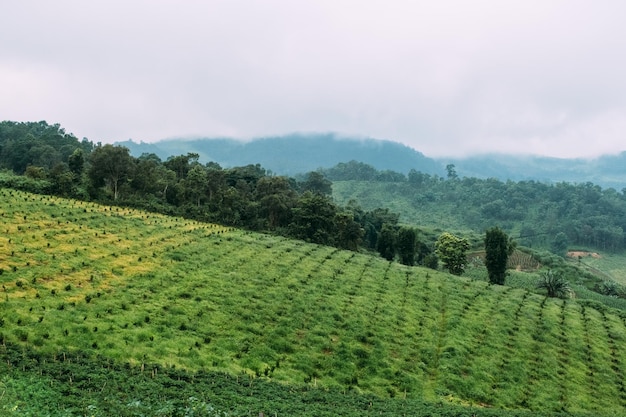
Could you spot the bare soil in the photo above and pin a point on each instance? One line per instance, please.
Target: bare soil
(582, 254)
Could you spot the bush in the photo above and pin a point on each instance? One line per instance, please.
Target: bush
(555, 284)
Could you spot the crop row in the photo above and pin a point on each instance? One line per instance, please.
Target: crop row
(141, 288)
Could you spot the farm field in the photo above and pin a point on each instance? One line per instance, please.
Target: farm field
(158, 295)
(611, 264)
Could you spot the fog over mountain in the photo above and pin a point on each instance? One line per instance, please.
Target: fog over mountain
(301, 153)
(448, 78)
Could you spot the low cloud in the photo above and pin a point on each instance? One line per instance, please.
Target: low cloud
(447, 78)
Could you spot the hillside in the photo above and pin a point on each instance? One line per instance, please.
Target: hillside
(294, 154)
(157, 292)
(535, 213)
(300, 153)
(606, 170)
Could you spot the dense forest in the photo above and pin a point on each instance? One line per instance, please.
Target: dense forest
(552, 216)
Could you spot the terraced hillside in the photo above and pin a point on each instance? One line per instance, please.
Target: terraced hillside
(152, 291)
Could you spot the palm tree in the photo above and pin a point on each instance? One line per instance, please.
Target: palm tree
(554, 283)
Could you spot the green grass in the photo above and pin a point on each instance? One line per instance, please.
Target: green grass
(610, 265)
(142, 289)
(429, 212)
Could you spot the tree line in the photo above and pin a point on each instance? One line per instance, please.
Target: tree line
(247, 197)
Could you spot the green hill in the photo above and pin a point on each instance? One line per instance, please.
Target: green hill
(534, 213)
(294, 154)
(149, 294)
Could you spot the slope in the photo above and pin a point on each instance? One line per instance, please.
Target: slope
(294, 154)
(142, 289)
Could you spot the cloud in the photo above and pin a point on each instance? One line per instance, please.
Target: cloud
(447, 78)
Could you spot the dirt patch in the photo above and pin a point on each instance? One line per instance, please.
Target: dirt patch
(582, 254)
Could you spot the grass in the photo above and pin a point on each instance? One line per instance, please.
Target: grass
(147, 290)
(611, 265)
(429, 212)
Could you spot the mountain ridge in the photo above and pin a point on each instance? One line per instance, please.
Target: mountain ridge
(314, 151)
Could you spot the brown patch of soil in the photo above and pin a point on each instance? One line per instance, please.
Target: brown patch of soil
(582, 254)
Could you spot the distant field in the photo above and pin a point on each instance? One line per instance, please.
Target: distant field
(611, 264)
(143, 289)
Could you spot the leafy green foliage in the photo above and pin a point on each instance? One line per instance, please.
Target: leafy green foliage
(110, 166)
(407, 241)
(386, 244)
(452, 250)
(555, 284)
(497, 251)
(534, 213)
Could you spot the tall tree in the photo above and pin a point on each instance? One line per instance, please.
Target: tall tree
(196, 184)
(76, 162)
(498, 247)
(181, 164)
(386, 244)
(407, 239)
(349, 232)
(314, 218)
(452, 250)
(110, 166)
(451, 170)
(316, 182)
(276, 199)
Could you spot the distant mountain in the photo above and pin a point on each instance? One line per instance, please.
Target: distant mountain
(301, 153)
(295, 154)
(608, 171)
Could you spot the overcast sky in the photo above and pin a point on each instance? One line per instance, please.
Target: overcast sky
(447, 78)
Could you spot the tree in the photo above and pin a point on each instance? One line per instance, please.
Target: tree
(349, 232)
(372, 223)
(110, 165)
(62, 179)
(407, 239)
(317, 183)
(76, 162)
(386, 244)
(498, 247)
(314, 219)
(559, 244)
(451, 170)
(452, 250)
(276, 199)
(196, 183)
(181, 164)
(555, 284)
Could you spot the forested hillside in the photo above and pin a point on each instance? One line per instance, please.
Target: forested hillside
(294, 154)
(552, 216)
(606, 171)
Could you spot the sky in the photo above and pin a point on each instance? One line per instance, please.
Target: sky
(448, 78)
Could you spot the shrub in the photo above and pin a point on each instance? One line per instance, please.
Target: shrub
(554, 283)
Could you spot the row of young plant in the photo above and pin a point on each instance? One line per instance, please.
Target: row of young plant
(74, 384)
(311, 314)
(141, 288)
